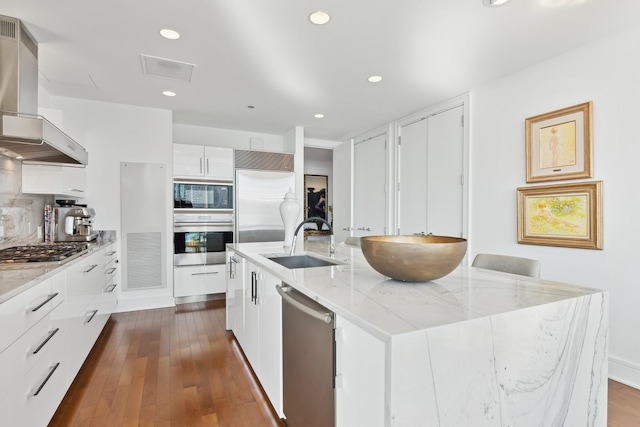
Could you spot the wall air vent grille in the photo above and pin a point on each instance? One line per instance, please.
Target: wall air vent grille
(29, 43)
(8, 29)
(167, 68)
(144, 255)
(261, 160)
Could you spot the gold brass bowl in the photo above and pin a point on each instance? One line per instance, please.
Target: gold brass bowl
(415, 258)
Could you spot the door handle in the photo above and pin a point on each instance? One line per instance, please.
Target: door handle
(326, 317)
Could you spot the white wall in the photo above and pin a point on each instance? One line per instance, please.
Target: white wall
(214, 137)
(115, 133)
(605, 72)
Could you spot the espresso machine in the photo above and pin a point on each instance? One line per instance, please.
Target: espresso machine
(73, 224)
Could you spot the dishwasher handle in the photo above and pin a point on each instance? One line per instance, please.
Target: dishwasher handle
(323, 316)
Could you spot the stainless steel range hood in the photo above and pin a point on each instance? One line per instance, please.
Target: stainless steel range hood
(23, 134)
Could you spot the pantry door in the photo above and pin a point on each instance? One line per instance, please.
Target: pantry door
(430, 174)
(369, 190)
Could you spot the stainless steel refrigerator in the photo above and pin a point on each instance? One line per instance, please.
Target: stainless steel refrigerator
(261, 181)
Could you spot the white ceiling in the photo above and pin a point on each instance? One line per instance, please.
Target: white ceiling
(268, 55)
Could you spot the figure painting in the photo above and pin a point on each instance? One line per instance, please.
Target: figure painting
(568, 215)
(562, 215)
(558, 145)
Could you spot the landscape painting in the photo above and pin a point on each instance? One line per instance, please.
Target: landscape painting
(567, 215)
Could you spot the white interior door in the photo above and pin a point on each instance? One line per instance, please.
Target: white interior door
(369, 198)
(445, 173)
(430, 173)
(342, 206)
(412, 176)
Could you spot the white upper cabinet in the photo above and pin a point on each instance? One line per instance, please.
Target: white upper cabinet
(197, 161)
(54, 179)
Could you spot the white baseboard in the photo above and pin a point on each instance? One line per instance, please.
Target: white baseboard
(624, 372)
(134, 304)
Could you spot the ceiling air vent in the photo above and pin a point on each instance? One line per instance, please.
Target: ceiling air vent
(166, 68)
(7, 28)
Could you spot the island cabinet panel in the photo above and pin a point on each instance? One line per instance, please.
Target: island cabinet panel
(255, 317)
(517, 368)
(235, 293)
(360, 377)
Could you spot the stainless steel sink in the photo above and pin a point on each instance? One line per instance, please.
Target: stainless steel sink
(302, 261)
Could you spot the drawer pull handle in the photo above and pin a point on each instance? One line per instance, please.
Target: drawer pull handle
(46, 340)
(90, 268)
(49, 298)
(111, 270)
(202, 274)
(111, 288)
(93, 313)
(111, 253)
(51, 371)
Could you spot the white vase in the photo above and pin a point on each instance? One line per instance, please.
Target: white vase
(289, 211)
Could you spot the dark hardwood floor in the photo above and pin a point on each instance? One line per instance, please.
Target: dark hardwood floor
(179, 367)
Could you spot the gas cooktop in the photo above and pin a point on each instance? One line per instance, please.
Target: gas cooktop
(51, 252)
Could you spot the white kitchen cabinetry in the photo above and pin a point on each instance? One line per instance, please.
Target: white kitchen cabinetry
(199, 280)
(259, 331)
(110, 270)
(32, 357)
(235, 292)
(54, 179)
(85, 311)
(202, 162)
(360, 377)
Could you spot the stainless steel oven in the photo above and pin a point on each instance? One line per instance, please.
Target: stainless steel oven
(201, 237)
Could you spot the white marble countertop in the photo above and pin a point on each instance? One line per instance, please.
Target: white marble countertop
(17, 278)
(386, 307)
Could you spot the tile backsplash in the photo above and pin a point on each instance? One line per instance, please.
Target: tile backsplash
(22, 214)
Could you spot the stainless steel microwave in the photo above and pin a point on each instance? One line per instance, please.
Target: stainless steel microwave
(202, 195)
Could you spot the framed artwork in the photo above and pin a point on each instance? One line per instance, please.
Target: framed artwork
(559, 144)
(568, 215)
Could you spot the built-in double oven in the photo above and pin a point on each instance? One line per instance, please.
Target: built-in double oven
(202, 222)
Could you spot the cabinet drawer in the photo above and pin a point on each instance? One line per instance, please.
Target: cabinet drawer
(199, 280)
(37, 396)
(21, 312)
(23, 354)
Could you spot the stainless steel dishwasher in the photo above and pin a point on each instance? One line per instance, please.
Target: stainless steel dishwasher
(308, 352)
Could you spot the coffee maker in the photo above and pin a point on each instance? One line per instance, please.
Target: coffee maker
(73, 224)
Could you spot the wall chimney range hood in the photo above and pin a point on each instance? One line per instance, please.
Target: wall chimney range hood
(23, 134)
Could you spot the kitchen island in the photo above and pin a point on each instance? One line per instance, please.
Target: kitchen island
(474, 348)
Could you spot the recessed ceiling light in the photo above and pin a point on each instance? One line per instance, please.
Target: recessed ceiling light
(494, 3)
(375, 79)
(319, 17)
(251, 107)
(318, 116)
(169, 34)
(168, 93)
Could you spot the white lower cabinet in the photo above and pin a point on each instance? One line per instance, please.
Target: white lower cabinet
(235, 293)
(255, 318)
(360, 377)
(199, 280)
(46, 333)
(85, 313)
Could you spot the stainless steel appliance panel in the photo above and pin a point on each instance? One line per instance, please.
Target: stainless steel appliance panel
(189, 195)
(308, 351)
(258, 198)
(201, 238)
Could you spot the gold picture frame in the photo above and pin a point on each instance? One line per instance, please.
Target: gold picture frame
(568, 215)
(559, 144)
